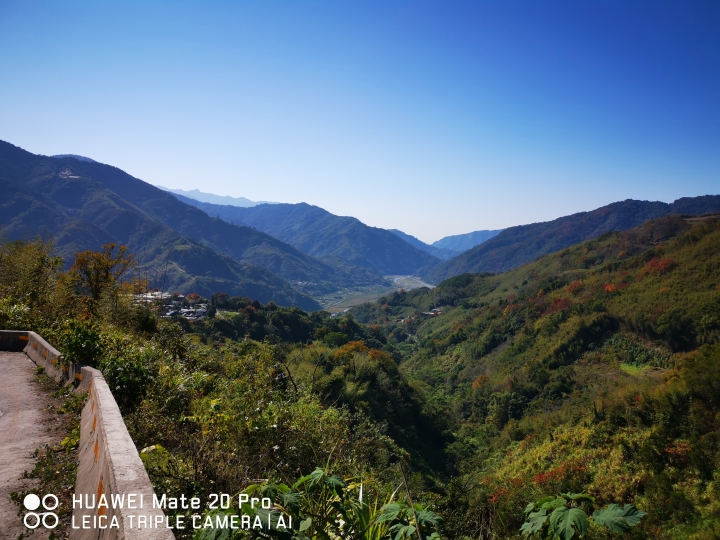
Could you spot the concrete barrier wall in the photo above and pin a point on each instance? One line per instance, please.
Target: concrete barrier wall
(109, 463)
(48, 357)
(13, 340)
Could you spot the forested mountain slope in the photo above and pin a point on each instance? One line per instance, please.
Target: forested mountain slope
(319, 233)
(518, 245)
(84, 204)
(594, 369)
(243, 243)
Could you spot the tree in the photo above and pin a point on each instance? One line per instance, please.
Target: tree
(97, 272)
(28, 271)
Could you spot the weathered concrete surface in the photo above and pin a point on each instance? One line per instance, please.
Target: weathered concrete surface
(25, 425)
(110, 464)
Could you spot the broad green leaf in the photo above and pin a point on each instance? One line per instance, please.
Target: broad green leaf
(301, 481)
(535, 522)
(406, 531)
(553, 503)
(335, 483)
(388, 513)
(291, 500)
(427, 518)
(579, 497)
(252, 488)
(305, 524)
(316, 477)
(529, 508)
(618, 518)
(270, 491)
(565, 520)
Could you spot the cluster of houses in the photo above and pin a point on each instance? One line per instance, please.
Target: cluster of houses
(191, 313)
(174, 305)
(431, 313)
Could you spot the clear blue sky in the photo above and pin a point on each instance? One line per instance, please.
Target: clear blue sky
(434, 117)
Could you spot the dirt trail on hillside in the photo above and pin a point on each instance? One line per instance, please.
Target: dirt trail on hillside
(24, 426)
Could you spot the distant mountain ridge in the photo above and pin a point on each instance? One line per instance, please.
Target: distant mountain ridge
(440, 253)
(444, 249)
(319, 233)
(211, 198)
(463, 242)
(525, 243)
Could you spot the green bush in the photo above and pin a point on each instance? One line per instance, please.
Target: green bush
(80, 343)
(335, 339)
(128, 369)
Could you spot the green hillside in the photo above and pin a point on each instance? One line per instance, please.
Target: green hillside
(593, 369)
(319, 233)
(522, 244)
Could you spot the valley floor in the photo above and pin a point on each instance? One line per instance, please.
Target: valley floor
(345, 299)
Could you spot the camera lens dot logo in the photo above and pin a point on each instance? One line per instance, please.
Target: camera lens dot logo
(31, 502)
(32, 519)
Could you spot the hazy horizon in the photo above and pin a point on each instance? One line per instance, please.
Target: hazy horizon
(432, 118)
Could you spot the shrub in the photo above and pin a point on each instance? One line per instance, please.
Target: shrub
(80, 343)
(335, 339)
(575, 287)
(129, 374)
(657, 266)
(14, 316)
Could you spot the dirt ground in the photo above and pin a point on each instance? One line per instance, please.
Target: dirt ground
(25, 425)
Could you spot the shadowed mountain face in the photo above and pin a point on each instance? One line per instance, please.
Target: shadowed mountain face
(518, 245)
(319, 233)
(84, 204)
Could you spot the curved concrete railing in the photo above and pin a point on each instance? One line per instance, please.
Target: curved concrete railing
(109, 463)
